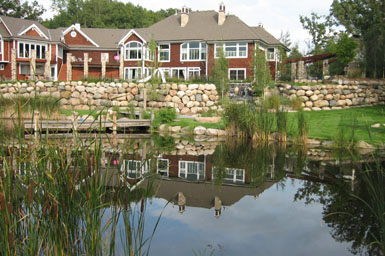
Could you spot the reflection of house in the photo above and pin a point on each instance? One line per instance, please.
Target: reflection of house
(187, 45)
(203, 194)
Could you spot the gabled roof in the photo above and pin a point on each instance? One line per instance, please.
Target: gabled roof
(17, 26)
(265, 36)
(202, 25)
(79, 30)
(34, 27)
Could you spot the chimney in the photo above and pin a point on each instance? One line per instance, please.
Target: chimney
(77, 26)
(221, 14)
(184, 16)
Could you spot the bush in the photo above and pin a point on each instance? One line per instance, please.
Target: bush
(163, 116)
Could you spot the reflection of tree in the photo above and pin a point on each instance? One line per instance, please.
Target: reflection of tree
(261, 162)
(349, 218)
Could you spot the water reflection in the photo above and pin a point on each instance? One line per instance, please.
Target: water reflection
(263, 198)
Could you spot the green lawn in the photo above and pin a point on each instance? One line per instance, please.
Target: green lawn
(325, 124)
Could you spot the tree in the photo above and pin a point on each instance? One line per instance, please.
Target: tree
(103, 14)
(284, 38)
(219, 73)
(261, 70)
(365, 18)
(14, 8)
(319, 27)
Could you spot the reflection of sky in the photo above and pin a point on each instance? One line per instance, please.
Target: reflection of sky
(271, 225)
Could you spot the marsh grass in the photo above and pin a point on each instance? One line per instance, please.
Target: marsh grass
(56, 198)
(302, 126)
(345, 137)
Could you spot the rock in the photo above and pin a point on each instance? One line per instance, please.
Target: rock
(193, 86)
(182, 87)
(221, 133)
(163, 127)
(198, 97)
(75, 94)
(180, 94)
(300, 93)
(176, 99)
(321, 103)
(215, 119)
(314, 97)
(135, 91)
(341, 103)
(315, 108)
(375, 125)
(205, 98)
(190, 104)
(309, 104)
(309, 93)
(189, 93)
(174, 129)
(74, 101)
(173, 93)
(199, 130)
(80, 88)
(210, 103)
(211, 132)
(65, 94)
(185, 111)
(363, 144)
(168, 98)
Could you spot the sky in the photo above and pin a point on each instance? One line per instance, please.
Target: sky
(275, 15)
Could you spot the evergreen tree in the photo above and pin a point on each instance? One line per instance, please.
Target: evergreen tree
(261, 70)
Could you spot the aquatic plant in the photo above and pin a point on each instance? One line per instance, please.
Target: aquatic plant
(302, 126)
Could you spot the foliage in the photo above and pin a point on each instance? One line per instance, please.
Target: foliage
(296, 103)
(345, 137)
(302, 124)
(191, 123)
(163, 116)
(219, 73)
(17, 9)
(45, 104)
(103, 14)
(365, 18)
(261, 71)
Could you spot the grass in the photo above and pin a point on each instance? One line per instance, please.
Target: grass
(325, 125)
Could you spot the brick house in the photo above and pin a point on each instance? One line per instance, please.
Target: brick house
(187, 47)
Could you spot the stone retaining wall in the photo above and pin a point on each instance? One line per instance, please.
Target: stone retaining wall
(186, 99)
(336, 94)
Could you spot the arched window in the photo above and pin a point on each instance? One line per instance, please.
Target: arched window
(133, 51)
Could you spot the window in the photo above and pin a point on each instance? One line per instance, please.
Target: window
(104, 55)
(192, 170)
(166, 72)
(162, 167)
(26, 48)
(270, 54)
(194, 73)
(25, 69)
(237, 74)
(60, 52)
(179, 73)
(164, 53)
(1, 66)
(231, 175)
(232, 50)
(193, 51)
(133, 51)
(132, 73)
(134, 168)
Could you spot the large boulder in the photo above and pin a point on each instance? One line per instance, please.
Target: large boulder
(199, 130)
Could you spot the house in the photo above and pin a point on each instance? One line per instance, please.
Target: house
(187, 45)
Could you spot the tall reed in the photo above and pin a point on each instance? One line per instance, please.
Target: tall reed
(302, 126)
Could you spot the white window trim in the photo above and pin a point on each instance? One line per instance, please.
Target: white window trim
(169, 53)
(126, 58)
(2, 46)
(144, 168)
(188, 51)
(244, 69)
(30, 43)
(126, 69)
(176, 68)
(34, 27)
(192, 69)
(186, 163)
(27, 64)
(232, 57)
(234, 180)
(267, 54)
(105, 53)
(168, 165)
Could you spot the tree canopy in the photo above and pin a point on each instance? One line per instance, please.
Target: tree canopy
(103, 14)
(14, 8)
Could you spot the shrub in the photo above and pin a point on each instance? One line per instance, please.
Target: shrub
(163, 116)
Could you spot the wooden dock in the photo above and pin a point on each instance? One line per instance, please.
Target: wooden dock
(77, 124)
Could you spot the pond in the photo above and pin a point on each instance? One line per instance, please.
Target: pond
(99, 195)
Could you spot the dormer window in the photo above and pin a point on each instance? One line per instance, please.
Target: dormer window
(133, 51)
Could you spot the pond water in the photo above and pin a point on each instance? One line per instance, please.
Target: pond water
(223, 198)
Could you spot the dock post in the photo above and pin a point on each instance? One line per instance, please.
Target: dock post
(115, 127)
(36, 122)
(144, 99)
(75, 122)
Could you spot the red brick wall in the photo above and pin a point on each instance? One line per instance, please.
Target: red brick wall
(32, 32)
(6, 51)
(6, 73)
(77, 40)
(53, 53)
